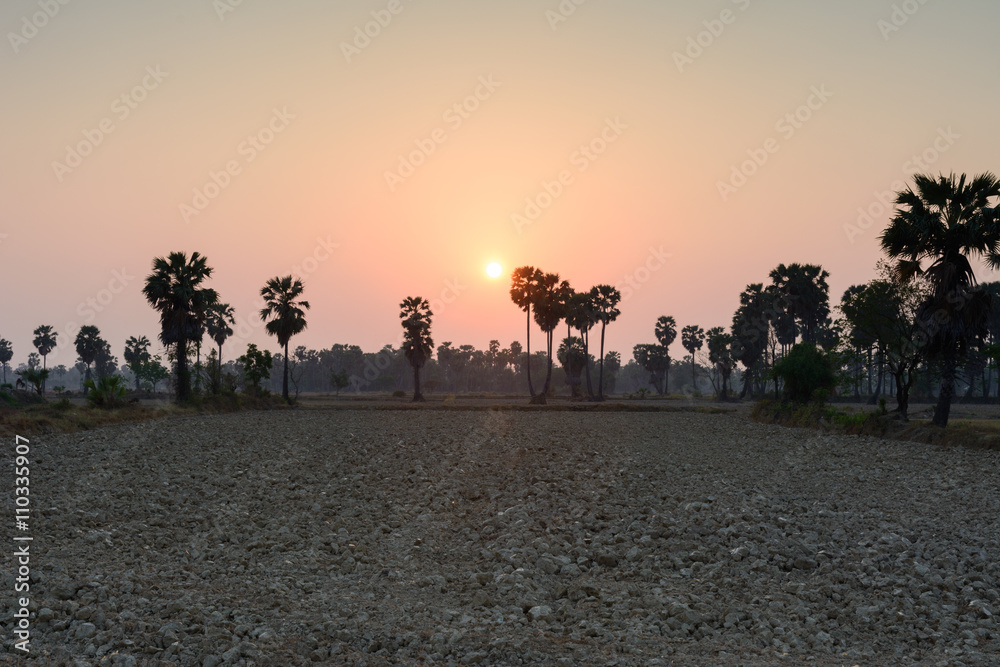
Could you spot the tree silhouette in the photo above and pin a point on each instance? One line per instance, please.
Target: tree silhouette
(174, 290)
(692, 338)
(415, 313)
(654, 360)
(137, 356)
(666, 334)
(947, 221)
(572, 358)
(605, 299)
(524, 284)
(580, 315)
(720, 354)
(88, 345)
(287, 315)
(551, 299)
(44, 342)
(803, 290)
(218, 318)
(6, 354)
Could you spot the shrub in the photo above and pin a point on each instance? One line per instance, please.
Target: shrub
(807, 374)
(399, 393)
(108, 392)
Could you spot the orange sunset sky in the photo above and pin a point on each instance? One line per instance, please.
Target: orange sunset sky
(389, 148)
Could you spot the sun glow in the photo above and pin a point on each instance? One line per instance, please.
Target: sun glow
(493, 269)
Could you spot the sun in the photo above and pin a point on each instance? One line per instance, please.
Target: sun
(493, 269)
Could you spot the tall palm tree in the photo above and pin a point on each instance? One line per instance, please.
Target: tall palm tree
(136, 356)
(605, 299)
(287, 315)
(692, 338)
(806, 295)
(217, 320)
(415, 313)
(666, 334)
(44, 342)
(581, 316)
(6, 354)
(174, 290)
(948, 221)
(524, 284)
(551, 298)
(88, 345)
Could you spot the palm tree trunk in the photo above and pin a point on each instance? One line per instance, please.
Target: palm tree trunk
(548, 373)
(600, 385)
(183, 378)
(417, 396)
(943, 407)
(585, 335)
(694, 383)
(527, 356)
(284, 379)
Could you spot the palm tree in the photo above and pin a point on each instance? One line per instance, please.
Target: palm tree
(666, 333)
(287, 315)
(45, 342)
(803, 290)
(6, 354)
(88, 345)
(217, 320)
(692, 338)
(720, 353)
(415, 313)
(524, 284)
(551, 298)
(947, 220)
(605, 299)
(136, 356)
(581, 316)
(174, 289)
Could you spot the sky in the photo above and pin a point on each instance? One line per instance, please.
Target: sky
(391, 148)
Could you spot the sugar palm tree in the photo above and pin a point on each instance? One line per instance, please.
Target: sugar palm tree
(44, 342)
(287, 313)
(174, 290)
(415, 313)
(580, 315)
(948, 221)
(524, 284)
(692, 338)
(88, 345)
(137, 356)
(666, 334)
(605, 299)
(6, 354)
(803, 290)
(217, 321)
(551, 298)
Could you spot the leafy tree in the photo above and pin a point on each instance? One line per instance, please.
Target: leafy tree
(804, 291)
(751, 324)
(720, 354)
(137, 355)
(154, 372)
(693, 339)
(339, 380)
(174, 290)
(654, 360)
(257, 366)
(612, 364)
(287, 313)
(105, 363)
(806, 372)
(6, 354)
(947, 221)
(415, 313)
(666, 334)
(605, 299)
(88, 345)
(572, 358)
(44, 342)
(581, 315)
(524, 285)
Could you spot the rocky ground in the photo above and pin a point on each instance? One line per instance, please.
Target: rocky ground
(373, 537)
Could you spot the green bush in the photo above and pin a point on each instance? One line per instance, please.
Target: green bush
(399, 393)
(807, 374)
(108, 392)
